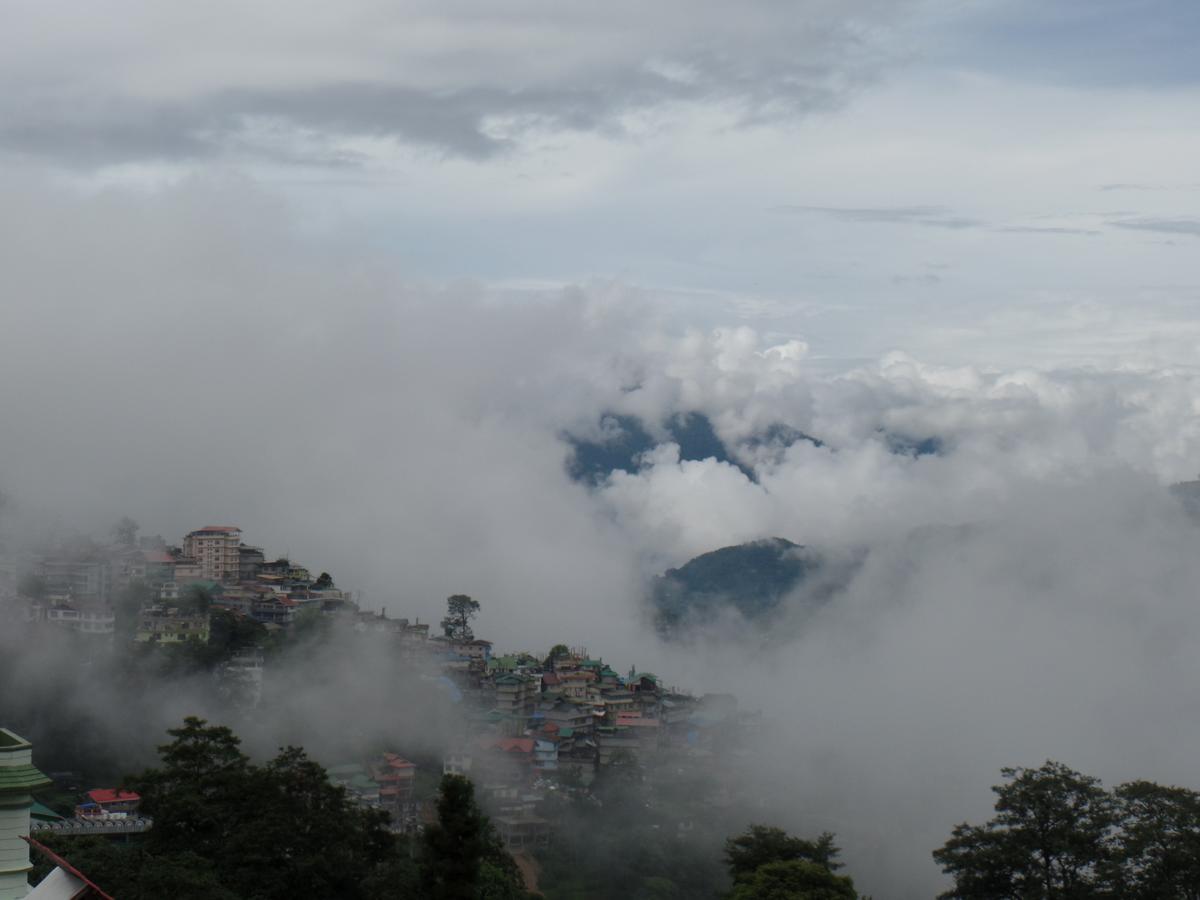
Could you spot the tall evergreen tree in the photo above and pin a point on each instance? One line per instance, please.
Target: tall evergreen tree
(453, 847)
(462, 856)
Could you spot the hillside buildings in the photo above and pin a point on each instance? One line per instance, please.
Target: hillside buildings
(527, 730)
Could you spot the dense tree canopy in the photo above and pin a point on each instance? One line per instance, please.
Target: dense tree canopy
(557, 652)
(226, 828)
(793, 880)
(1059, 834)
(762, 844)
(767, 863)
(1048, 839)
(1158, 845)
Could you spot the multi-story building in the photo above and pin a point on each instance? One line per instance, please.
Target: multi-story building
(87, 618)
(167, 625)
(578, 717)
(273, 609)
(187, 570)
(515, 695)
(396, 777)
(249, 560)
(79, 579)
(217, 549)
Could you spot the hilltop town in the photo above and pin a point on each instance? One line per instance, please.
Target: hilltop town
(538, 734)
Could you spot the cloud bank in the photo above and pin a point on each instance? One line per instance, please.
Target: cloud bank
(184, 356)
(309, 84)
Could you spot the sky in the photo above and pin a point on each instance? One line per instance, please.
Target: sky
(344, 275)
(949, 177)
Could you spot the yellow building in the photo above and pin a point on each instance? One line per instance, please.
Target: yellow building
(168, 625)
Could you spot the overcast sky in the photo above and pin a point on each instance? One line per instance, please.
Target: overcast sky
(981, 179)
(343, 274)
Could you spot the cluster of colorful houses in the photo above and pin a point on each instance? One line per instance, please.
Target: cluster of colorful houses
(535, 729)
(542, 727)
(80, 586)
(530, 726)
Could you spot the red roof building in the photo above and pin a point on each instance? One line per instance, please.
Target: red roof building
(106, 796)
(513, 745)
(105, 801)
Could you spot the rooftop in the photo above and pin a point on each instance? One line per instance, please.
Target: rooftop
(12, 741)
(111, 795)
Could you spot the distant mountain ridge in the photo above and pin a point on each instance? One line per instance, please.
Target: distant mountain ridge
(751, 578)
(624, 439)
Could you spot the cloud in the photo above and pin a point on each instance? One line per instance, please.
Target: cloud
(1149, 187)
(147, 84)
(187, 355)
(1048, 229)
(1164, 225)
(927, 216)
(926, 279)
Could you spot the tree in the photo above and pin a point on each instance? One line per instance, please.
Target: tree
(324, 582)
(762, 844)
(557, 652)
(462, 857)
(794, 880)
(1051, 838)
(767, 863)
(453, 848)
(124, 531)
(229, 632)
(269, 832)
(657, 888)
(189, 797)
(1158, 848)
(134, 873)
(301, 836)
(460, 610)
(196, 599)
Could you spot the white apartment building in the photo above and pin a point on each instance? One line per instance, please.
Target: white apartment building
(215, 550)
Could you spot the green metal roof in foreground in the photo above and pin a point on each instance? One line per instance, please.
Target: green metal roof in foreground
(22, 777)
(11, 741)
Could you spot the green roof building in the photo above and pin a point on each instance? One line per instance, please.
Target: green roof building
(18, 780)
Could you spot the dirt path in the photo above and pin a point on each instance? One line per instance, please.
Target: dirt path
(529, 870)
